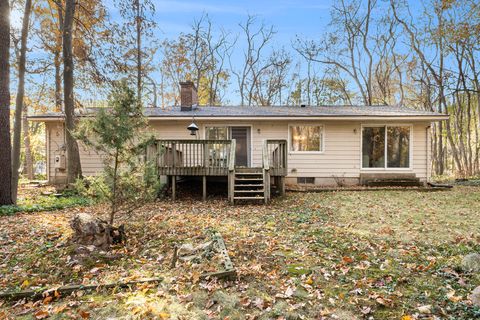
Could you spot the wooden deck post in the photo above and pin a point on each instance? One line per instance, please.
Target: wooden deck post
(174, 180)
(231, 172)
(281, 185)
(266, 172)
(231, 185)
(266, 184)
(204, 188)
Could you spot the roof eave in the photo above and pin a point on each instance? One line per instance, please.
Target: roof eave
(45, 118)
(439, 117)
(303, 117)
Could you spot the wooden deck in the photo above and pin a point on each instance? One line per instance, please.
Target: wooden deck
(205, 158)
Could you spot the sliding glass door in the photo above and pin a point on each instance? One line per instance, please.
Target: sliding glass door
(386, 147)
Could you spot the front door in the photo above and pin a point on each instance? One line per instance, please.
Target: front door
(242, 152)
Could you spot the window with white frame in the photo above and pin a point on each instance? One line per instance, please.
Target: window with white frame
(216, 133)
(386, 147)
(306, 138)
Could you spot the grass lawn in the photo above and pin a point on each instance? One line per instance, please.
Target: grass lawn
(30, 199)
(332, 255)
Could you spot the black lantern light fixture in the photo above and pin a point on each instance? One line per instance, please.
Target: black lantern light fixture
(193, 128)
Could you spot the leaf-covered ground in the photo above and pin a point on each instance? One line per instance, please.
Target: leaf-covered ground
(331, 255)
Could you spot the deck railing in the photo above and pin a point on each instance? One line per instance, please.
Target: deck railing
(216, 158)
(275, 154)
(274, 164)
(194, 157)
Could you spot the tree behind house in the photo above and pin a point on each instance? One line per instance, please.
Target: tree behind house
(117, 133)
(5, 147)
(74, 168)
(20, 103)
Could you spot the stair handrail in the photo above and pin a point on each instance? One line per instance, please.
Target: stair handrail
(231, 170)
(265, 159)
(231, 158)
(266, 171)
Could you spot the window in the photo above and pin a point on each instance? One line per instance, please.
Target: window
(306, 138)
(216, 133)
(217, 152)
(306, 180)
(398, 147)
(373, 147)
(386, 147)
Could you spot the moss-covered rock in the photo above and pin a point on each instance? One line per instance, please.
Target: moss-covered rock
(471, 262)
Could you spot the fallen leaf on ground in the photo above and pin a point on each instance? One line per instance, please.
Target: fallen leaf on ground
(427, 309)
(84, 314)
(41, 314)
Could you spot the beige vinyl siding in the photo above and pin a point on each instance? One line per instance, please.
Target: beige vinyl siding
(341, 157)
(91, 161)
(55, 142)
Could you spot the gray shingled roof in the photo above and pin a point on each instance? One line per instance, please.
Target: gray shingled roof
(278, 111)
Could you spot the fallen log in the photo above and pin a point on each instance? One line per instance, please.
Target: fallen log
(229, 273)
(187, 252)
(223, 251)
(440, 185)
(225, 274)
(36, 294)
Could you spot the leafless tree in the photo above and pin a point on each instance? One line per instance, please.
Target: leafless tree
(254, 62)
(272, 80)
(444, 44)
(199, 56)
(359, 50)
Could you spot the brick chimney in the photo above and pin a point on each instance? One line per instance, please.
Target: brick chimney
(188, 96)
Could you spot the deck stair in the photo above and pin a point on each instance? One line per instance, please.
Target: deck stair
(249, 184)
(177, 158)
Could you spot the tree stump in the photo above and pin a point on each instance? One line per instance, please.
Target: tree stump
(92, 231)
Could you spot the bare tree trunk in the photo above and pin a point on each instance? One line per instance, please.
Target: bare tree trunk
(138, 22)
(58, 82)
(113, 207)
(28, 165)
(309, 82)
(5, 146)
(365, 36)
(74, 169)
(17, 128)
(57, 61)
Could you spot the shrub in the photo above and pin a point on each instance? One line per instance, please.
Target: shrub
(118, 134)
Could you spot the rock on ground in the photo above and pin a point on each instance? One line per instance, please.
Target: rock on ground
(471, 262)
(475, 296)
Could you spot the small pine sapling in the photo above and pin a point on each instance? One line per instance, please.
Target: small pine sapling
(118, 134)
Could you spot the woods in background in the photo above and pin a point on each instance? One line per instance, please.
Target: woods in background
(68, 54)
